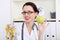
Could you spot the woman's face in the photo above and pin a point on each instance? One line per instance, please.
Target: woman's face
(28, 13)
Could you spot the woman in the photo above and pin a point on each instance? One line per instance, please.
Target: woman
(29, 30)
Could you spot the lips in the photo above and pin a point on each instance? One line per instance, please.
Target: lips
(27, 17)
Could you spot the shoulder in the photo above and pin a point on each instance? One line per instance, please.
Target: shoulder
(18, 26)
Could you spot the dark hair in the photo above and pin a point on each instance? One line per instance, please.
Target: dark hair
(32, 5)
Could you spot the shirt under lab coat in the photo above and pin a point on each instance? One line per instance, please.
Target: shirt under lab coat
(26, 36)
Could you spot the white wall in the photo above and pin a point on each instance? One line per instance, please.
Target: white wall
(58, 18)
(58, 9)
(4, 16)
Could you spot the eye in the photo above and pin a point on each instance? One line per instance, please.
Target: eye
(31, 11)
(24, 12)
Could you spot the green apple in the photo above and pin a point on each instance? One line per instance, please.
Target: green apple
(40, 19)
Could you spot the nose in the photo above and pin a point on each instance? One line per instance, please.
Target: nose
(26, 14)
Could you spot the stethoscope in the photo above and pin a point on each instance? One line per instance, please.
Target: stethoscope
(22, 33)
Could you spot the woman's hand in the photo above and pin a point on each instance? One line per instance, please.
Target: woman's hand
(10, 26)
(41, 28)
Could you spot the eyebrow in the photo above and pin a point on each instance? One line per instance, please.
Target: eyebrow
(28, 11)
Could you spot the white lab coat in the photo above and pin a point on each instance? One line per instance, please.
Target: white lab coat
(26, 36)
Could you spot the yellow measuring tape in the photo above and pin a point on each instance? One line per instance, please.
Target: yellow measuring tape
(11, 31)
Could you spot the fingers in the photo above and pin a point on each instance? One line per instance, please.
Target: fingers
(10, 26)
(42, 27)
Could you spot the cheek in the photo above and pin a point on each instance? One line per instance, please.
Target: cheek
(32, 16)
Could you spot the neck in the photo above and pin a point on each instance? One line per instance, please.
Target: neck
(29, 26)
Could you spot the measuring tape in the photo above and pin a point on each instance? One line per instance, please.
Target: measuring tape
(10, 31)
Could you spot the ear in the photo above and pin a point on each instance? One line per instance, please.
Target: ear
(36, 13)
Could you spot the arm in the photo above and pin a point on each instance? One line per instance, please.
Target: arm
(40, 36)
(41, 28)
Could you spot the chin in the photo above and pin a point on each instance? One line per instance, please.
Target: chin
(27, 21)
